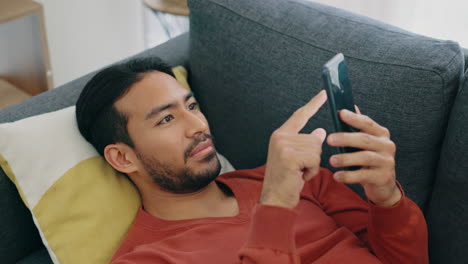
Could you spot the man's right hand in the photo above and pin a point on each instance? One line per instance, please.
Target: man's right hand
(293, 158)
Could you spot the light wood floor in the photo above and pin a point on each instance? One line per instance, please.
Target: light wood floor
(10, 95)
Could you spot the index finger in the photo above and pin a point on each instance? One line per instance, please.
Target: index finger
(300, 117)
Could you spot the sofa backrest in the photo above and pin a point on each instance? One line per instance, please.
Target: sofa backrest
(447, 214)
(254, 62)
(18, 235)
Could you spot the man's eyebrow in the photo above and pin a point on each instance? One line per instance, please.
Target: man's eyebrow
(188, 96)
(158, 109)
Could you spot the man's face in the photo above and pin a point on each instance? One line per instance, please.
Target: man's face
(171, 137)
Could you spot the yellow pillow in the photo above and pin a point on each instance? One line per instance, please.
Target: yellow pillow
(82, 207)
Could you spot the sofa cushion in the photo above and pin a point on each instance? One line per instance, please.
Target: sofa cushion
(448, 211)
(253, 63)
(37, 257)
(18, 235)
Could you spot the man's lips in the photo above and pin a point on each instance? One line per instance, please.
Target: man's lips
(202, 148)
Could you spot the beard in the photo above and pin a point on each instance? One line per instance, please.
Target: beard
(185, 180)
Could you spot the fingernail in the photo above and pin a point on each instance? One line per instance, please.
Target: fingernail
(337, 176)
(357, 109)
(333, 160)
(321, 133)
(331, 139)
(323, 94)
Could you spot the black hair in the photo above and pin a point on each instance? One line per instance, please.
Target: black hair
(99, 121)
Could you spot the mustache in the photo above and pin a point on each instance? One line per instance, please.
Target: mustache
(194, 144)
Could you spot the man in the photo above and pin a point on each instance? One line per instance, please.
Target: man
(150, 128)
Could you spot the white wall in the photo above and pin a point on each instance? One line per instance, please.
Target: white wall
(84, 35)
(435, 18)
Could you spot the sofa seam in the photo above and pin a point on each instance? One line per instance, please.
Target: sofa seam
(409, 34)
(328, 50)
(443, 139)
(444, 83)
(438, 73)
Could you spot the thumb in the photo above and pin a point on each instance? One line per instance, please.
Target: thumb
(321, 133)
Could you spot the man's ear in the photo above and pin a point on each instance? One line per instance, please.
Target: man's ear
(120, 157)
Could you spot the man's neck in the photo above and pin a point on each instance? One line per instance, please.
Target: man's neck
(210, 201)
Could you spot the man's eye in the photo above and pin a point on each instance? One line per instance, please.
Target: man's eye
(166, 119)
(193, 106)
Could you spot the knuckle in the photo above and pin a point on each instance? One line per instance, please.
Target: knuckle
(279, 145)
(391, 162)
(371, 157)
(392, 147)
(277, 136)
(367, 139)
(386, 132)
(369, 122)
(285, 153)
(281, 142)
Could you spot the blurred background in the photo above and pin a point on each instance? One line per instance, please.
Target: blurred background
(85, 35)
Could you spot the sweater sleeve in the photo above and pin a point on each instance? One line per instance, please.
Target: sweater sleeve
(271, 237)
(396, 234)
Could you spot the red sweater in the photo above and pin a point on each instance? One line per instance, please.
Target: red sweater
(331, 224)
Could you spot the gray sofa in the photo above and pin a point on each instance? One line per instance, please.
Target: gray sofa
(252, 63)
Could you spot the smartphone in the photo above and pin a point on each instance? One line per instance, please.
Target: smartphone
(340, 95)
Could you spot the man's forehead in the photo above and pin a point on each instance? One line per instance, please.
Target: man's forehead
(153, 89)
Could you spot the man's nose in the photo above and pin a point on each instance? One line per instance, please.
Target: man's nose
(196, 124)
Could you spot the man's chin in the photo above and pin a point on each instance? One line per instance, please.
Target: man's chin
(209, 165)
(200, 177)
